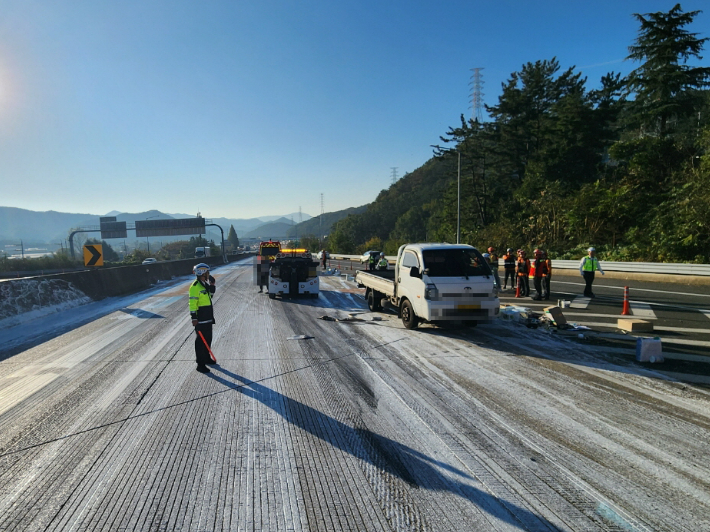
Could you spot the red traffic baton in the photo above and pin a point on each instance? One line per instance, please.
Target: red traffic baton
(207, 346)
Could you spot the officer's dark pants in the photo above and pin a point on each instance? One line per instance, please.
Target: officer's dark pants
(546, 286)
(537, 281)
(495, 274)
(588, 279)
(202, 355)
(524, 285)
(511, 274)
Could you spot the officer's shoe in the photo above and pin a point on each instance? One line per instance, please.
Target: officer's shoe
(202, 368)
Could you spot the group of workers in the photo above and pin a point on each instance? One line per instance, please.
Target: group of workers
(519, 269)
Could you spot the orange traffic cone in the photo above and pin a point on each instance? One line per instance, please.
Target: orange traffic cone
(517, 288)
(626, 311)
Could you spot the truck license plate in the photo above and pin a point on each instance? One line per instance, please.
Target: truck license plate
(468, 307)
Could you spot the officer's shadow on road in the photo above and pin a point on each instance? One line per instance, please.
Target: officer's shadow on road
(390, 457)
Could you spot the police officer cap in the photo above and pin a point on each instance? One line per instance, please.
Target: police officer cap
(591, 249)
(200, 269)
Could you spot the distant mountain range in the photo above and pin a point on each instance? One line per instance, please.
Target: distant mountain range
(51, 228)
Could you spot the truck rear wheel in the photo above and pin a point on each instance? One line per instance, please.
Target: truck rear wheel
(409, 319)
(373, 301)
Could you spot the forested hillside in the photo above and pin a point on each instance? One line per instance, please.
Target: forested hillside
(322, 223)
(624, 166)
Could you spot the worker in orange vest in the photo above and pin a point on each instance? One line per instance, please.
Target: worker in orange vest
(547, 277)
(509, 267)
(523, 270)
(537, 273)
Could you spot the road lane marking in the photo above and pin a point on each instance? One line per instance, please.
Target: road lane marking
(592, 315)
(638, 289)
(642, 310)
(580, 302)
(656, 328)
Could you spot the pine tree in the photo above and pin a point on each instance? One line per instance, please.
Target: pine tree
(232, 237)
(665, 86)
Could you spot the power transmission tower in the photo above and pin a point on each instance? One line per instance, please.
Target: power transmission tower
(394, 173)
(477, 95)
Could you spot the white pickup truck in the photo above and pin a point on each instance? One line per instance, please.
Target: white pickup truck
(435, 283)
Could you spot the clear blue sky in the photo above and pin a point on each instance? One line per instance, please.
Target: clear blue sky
(241, 109)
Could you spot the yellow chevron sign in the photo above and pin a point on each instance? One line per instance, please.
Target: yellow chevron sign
(93, 255)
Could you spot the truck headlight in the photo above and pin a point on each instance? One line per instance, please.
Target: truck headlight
(431, 292)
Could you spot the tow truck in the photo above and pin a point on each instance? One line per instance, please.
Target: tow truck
(293, 272)
(264, 259)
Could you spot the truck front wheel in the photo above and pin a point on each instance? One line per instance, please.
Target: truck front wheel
(373, 302)
(409, 319)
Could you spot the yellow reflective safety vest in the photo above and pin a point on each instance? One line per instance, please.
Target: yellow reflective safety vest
(590, 264)
(201, 302)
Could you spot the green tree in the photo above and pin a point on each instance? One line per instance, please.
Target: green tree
(665, 86)
(232, 237)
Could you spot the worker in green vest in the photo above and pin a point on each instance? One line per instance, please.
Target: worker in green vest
(587, 266)
(202, 314)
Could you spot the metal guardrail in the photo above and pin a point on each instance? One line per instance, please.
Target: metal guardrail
(667, 268)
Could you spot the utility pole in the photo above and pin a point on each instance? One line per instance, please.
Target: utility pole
(394, 173)
(320, 233)
(476, 95)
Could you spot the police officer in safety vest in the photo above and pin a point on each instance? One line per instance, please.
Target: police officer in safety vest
(587, 266)
(202, 314)
(382, 263)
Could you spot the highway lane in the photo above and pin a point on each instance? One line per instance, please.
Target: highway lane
(355, 424)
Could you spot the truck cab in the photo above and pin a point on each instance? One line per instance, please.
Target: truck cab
(201, 252)
(264, 259)
(446, 282)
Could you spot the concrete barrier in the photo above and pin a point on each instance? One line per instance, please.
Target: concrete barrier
(43, 293)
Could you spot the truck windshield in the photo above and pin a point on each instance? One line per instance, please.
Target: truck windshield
(268, 251)
(461, 262)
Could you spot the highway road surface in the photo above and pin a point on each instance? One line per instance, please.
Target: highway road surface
(345, 423)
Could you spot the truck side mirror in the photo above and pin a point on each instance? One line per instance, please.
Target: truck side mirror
(414, 272)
